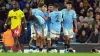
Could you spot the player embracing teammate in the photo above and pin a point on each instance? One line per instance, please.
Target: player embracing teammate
(45, 26)
(64, 18)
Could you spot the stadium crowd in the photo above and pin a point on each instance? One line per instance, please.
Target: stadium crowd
(88, 17)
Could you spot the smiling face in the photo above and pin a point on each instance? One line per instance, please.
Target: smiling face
(69, 6)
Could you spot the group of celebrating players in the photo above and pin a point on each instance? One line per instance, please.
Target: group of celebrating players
(45, 26)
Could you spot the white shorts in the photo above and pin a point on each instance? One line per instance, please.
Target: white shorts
(54, 34)
(68, 32)
(33, 33)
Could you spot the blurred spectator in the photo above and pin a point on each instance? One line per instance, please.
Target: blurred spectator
(80, 23)
(83, 37)
(79, 7)
(3, 13)
(22, 4)
(34, 3)
(94, 37)
(27, 11)
(1, 2)
(86, 4)
(97, 16)
(89, 18)
(8, 5)
(97, 10)
(91, 2)
(82, 12)
(86, 28)
(99, 3)
(96, 20)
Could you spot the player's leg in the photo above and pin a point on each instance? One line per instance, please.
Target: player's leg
(17, 34)
(68, 36)
(15, 41)
(38, 43)
(45, 36)
(14, 45)
(49, 42)
(54, 37)
(41, 43)
(32, 43)
(67, 42)
(18, 45)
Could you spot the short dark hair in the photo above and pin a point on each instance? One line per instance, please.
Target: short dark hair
(40, 5)
(69, 2)
(56, 5)
(50, 5)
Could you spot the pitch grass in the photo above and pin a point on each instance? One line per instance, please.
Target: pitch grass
(49, 54)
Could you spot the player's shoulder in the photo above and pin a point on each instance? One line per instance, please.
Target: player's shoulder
(34, 9)
(63, 10)
(20, 10)
(59, 11)
(10, 11)
(72, 10)
(39, 17)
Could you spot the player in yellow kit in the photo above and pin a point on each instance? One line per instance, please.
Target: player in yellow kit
(16, 19)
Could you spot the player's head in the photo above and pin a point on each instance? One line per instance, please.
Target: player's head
(44, 9)
(15, 4)
(50, 7)
(41, 6)
(69, 5)
(56, 6)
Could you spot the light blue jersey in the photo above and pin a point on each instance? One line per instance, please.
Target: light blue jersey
(56, 18)
(46, 14)
(40, 17)
(68, 18)
(40, 21)
(37, 12)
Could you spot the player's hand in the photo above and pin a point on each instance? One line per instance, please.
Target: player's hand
(5, 26)
(25, 30)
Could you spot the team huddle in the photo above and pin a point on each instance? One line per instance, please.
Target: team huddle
(45, 26)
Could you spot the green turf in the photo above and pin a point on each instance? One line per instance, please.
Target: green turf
(49, 54)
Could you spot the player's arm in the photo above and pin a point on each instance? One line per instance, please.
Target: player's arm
(46, 18)
(35, 31)
(75, 23)
(24, 22)
(7, 21)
